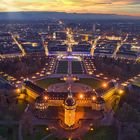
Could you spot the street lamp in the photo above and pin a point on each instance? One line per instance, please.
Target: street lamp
(121, 91)
(105, 85)
(18, 90)
(45, 97)
(47, 129)
(81, 96)
(94, 98)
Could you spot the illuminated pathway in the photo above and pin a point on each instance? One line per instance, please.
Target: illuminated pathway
(70, 41)
(75, 87)
(45, 46)
(117, 49)
(69, 67)
(126, 83)
(19, 45)
(94, 46)
(47, 136)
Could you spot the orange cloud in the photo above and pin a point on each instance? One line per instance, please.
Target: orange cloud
(128, 7)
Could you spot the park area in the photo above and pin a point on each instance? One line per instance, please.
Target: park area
(62, 67)
(39, 132)
(45, 83)
(76, 67)
(8, 132)
(102, 133)
(13, 112)
(93, 83)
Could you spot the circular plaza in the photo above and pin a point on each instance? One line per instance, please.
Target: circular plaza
(75, 87)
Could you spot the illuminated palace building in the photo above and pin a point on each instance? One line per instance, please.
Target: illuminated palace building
(68, 107)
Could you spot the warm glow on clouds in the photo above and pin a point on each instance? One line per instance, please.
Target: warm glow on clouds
(128, 7)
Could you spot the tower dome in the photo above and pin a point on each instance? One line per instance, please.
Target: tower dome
(41, 103)
(70, 108)
(70, 101)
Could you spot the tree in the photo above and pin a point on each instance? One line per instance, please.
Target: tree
(126, 113)
(3, 102)
(27, 125)
(130, 133)
(1, 138)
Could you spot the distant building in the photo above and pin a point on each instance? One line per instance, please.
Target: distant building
(5, 85)
(113, 37)
(94, 27)
(32, 90)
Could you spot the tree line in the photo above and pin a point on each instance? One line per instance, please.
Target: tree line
(22, 66)
(117, 68)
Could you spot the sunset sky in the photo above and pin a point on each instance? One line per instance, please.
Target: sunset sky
(123, 7)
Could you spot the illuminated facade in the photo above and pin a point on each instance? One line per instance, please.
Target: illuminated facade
(70, 108)
(70, 102)
(113, 38)
(41, 103)
(32, 90)
(98, 104)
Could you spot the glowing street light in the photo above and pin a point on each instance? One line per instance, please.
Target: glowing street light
(121, 91)
(45, 97)
(65, 78)
(91, 129)
(81, 96)
(18, 90)
(105, 85)
(94, 98)
(90, 72)
(47, 129)
(74, 79)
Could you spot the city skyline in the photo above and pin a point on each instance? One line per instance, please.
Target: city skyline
(69, 76)
(125, 7)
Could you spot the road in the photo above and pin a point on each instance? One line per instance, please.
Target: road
(47, 136)
(19, 45)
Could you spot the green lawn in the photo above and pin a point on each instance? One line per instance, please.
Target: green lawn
(7, 114)
(102, 133)
(39, 133)
(21, 107)
(76, 67)
(91, 82)
(9, 132)
(62, 67)
(88, 81)
(48, 81)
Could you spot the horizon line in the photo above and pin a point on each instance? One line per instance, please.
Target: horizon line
(70, 13)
